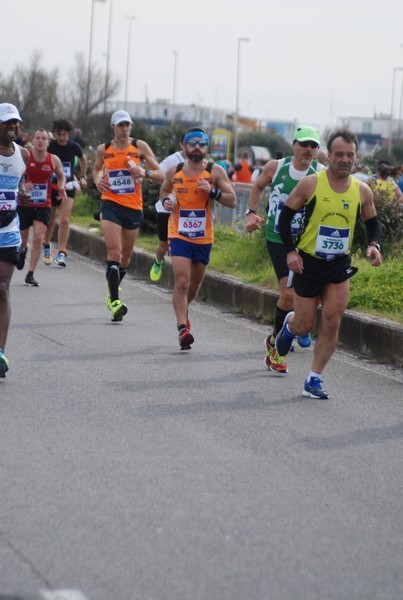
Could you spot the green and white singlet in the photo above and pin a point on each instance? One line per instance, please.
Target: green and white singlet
(284, 181)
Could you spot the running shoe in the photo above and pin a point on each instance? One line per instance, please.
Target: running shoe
(185, 339)
(156, 270)
(284, 338)
(274, 362)
(21, 261)
(47, 255)
(61, 259)
(108, 303)
(313, 389)
(3, 364)
(118, 310)
(29, 280)
(304, 340)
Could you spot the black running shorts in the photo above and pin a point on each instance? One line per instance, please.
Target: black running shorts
(319, 272)
(278, 257)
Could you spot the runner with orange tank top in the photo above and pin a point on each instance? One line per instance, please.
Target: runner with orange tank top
(118, 174)
(196, 184)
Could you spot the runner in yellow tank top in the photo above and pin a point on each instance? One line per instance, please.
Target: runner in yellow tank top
(118, 173)
(321, 263)
(197, 184)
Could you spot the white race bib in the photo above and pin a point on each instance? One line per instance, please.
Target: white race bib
(296, 220)
(66, 169)
(39, 193)
(192, 223)
(332, 242)
(8, 200)
(121, 182)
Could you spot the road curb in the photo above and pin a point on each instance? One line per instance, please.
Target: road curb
(380, 339)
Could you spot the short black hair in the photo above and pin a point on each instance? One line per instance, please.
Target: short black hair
(63, 125)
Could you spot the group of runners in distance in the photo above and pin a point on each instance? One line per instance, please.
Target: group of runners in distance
(312, 212)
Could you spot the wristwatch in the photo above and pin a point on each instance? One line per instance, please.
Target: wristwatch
(147, 173)
(248, 211)
(376, 245)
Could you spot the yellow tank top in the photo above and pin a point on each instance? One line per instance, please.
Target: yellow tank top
(124, 189)
(329, 219)
(192, 217)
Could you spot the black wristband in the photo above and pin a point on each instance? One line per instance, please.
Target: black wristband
(215, 194)
(284, 227)
(374, 232)
(163, 200)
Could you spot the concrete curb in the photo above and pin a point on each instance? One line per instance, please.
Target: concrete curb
(380, 339)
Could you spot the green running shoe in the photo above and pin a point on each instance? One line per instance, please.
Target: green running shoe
(156, 270)
(118, 310)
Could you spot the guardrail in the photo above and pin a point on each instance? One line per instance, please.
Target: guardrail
(234, 217)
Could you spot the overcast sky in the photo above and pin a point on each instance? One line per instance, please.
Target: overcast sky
(310, 61)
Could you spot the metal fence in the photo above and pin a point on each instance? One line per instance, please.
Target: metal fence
(234, 217)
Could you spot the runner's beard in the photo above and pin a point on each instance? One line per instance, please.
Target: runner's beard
(195, 156)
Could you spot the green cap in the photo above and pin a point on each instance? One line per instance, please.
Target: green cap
(306, 133)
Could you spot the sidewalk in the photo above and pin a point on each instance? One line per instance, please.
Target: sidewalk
(380, 339)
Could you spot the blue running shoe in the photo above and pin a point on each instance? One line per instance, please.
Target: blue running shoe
(60, 259)
(304, 340)
(3, 364)
(313, 389)
(284, 338)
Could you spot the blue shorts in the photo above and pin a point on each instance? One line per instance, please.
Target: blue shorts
(128, 218)
(197, 253)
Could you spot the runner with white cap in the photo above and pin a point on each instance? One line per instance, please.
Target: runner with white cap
(13, 161)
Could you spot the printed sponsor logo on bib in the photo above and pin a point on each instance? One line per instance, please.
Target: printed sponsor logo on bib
(39, 193)
(192, 223)
(332, 242)
(66, 169)
(8, 200)
(121, 182)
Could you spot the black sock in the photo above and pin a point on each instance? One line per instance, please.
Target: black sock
(279, 316)
(183, 326)
(122, 273)
(112, 277)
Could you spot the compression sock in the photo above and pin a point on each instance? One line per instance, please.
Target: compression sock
(112, 277)
(279, 316)
(122, 273)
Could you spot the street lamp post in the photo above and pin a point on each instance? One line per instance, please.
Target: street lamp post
(108, 51)
(87, 95)
(130, 19)
(237, 97)
(174, 52)
(391, 108)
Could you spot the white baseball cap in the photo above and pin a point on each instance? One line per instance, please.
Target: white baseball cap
(8, 112)
(120, 116)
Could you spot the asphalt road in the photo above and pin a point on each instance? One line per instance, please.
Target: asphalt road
(130, 470)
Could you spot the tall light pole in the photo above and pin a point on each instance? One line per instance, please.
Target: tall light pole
(240, 40)
(391, 109)
(130, 19)
(174, 52)
(108, 53)
(87, 95)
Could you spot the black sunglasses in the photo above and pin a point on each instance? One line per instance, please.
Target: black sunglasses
(194, 143)
(312, 145)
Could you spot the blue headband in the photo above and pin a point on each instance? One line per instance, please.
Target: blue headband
(195, 134)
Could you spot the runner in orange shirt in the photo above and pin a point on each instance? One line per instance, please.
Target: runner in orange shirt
(196, 183)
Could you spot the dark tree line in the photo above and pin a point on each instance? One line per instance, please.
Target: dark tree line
(41, 95)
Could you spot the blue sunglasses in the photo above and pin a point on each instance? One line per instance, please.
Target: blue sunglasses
(194, 143)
